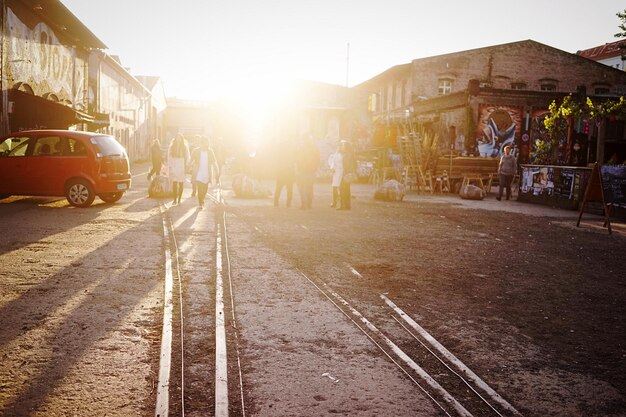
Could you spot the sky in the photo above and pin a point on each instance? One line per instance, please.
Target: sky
(204, 49)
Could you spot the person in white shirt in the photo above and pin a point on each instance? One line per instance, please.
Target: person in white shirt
(203, 163)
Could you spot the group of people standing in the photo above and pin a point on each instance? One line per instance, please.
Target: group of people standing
(301, 164)
(200, 162)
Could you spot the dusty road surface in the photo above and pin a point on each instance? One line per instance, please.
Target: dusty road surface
(324, 312)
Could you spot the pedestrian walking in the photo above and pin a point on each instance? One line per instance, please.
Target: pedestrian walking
(193, 145)
(308, 163)
(177, 161)
(156, 157)
(506, 171)
(285, 171)
(348, 161)
(203, 162)
(335, 163)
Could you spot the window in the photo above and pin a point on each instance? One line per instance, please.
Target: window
(518, 86)
(76, 148)
(48, 145)
(548, 84)
(601, 88)
(15, 146)
(445, 86)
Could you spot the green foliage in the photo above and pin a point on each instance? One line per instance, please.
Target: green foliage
(572, 109)
(616, 108)
(563, 114)
(622, 26)
(543, 152)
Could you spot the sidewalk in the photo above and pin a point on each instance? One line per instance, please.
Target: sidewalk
(488, 203)
(364, 192)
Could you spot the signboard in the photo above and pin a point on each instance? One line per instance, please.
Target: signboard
(614, 184)
(596, 192)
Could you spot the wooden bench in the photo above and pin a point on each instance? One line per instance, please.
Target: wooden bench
(463, 169)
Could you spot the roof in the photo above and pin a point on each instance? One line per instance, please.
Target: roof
(149, 81)
(396, 70)
(60, 17)
(608, 50)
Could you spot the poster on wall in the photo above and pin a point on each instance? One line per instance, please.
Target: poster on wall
(538, 181)
(497, 127)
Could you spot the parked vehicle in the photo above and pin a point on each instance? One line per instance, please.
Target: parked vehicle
(74, 164)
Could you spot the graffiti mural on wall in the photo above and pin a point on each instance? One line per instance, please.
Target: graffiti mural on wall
(44, 63)
(498, 126)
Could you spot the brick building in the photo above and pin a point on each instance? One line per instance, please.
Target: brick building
(480, 99)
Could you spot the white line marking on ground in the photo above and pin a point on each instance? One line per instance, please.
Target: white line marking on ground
(221, 364)
(162, 404)
(453, 359)
(354, 271)
(184, 218)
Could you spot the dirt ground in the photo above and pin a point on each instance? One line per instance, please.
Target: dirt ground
(530, 302)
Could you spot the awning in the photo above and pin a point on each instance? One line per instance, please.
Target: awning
(100, 120)
(29, 111)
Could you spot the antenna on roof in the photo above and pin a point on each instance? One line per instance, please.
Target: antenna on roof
(347, 63)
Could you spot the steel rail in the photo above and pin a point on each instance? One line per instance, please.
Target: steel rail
(221, 204)
(165, 359)
(452, 359)
(370, 337)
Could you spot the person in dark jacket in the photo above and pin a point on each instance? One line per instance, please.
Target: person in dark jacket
(308, 163)
(285, 170)
(156, 156)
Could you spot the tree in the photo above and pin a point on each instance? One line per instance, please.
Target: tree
(622, 26)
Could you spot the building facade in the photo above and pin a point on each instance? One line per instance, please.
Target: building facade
(43, 66)
(479, 100)
(54, 74)
(612, 54)
(121, 103)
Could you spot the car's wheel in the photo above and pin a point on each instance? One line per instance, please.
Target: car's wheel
(79, 193)
(111, 197)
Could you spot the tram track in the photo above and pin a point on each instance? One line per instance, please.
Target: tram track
(192, 379)
(451, 386)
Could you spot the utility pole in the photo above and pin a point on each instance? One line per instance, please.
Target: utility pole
(347, 64)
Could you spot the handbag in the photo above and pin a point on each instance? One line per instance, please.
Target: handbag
(350, 177)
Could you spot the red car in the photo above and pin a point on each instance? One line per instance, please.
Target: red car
(77, 165)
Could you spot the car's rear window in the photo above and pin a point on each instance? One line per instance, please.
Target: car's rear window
(108, 146)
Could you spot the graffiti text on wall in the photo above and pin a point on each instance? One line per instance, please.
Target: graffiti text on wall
(39, 59)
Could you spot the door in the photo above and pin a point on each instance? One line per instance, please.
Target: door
(14, 161)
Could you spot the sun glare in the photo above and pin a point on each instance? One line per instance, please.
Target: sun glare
(259, 103)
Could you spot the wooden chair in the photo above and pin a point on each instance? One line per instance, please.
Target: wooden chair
(442, 183)
(490, 178)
